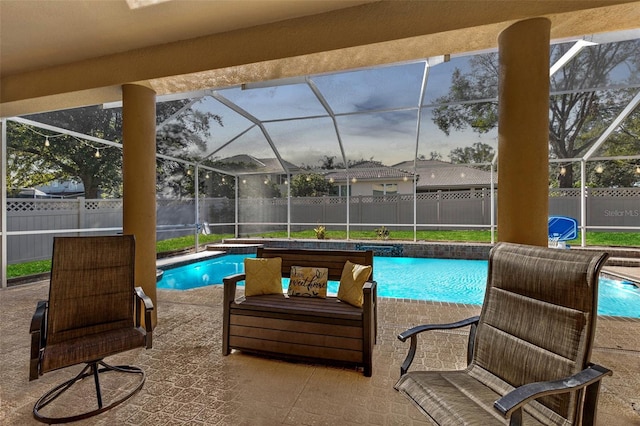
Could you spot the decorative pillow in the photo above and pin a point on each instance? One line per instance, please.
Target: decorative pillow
(353, 278)
(263, 276)
(308, 281)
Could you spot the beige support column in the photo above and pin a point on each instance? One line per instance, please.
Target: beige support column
(523, 126)
(139, 177)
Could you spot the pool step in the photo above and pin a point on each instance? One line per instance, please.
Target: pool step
(624, 261)
(234, 248)
(618, 256)
(186, 259)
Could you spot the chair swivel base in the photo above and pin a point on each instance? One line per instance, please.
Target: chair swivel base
(91, 369)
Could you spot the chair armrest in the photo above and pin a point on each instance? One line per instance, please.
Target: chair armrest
(234, 278)
(370, 292)
(511, 404)
(38, 338)
(369, 323)
(369, 285)
(230, 284)
(229, 296)
(413, 333)
(146, 302)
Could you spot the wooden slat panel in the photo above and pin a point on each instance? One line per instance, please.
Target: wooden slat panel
(296, 350)
(297, 317)
(298, 337)
(329, 307)
(307, 327)
(334, 260)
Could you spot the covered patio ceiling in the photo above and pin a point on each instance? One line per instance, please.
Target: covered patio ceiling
(75, 53)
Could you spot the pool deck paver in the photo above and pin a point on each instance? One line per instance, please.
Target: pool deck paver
(189, 382)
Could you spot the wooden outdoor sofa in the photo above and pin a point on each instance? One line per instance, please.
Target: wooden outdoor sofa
(304, 328)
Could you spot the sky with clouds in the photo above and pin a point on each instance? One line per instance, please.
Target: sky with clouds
(376, 114)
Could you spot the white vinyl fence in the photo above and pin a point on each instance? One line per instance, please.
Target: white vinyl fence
(38, 219)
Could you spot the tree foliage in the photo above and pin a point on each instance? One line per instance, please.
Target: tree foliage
(217, 185)
(477, 153)
(310, 185)
(329, 163)
(253, 186)
(619, 172)
(579, 112)
(32, 163)
(434, 156)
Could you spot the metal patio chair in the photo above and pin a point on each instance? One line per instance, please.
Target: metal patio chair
(529, 350)
(93, 311)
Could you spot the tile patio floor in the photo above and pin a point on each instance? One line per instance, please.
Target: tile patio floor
(189, 382)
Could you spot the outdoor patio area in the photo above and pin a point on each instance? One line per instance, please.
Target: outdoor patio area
(190, 382)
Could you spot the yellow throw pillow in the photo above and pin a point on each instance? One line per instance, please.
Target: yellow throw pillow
(308, 281)
(353, 278)
(263, 276)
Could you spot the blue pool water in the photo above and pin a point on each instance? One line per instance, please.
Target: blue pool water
(442, 280)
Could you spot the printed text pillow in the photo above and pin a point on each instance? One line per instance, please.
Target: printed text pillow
(308, 281)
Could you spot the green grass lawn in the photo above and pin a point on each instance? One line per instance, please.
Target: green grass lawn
(617, 239)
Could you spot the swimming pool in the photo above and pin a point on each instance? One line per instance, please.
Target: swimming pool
(440, 280)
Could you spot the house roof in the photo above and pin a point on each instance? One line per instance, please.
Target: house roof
(244, 162)
(434, 174)
(369, 170)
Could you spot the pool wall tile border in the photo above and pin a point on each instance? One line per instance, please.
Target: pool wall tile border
(470, 251)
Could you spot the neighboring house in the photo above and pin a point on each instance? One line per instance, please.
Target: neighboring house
(372, 178)
(26, 193)
(63, 189)
(434, 175)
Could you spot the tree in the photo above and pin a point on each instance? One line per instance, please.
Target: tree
(310, 185)
(328, 162)
(618, 173)
(477, 153)
(31, 162)
(65, 157)
(21, 173)
(257, 187)
(184, 136)
(218, 185)
(578, 111)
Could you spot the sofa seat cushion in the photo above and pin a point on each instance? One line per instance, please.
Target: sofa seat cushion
(328, 308)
